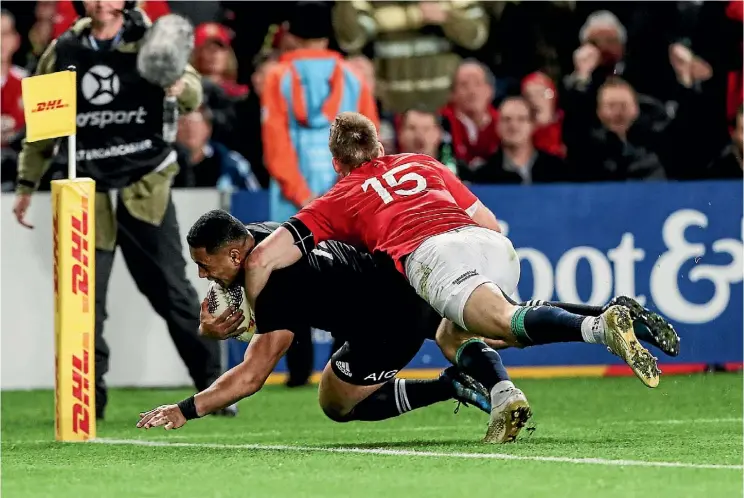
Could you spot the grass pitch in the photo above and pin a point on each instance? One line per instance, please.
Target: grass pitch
(606, 437)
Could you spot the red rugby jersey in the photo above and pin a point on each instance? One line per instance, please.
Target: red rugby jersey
(391, 204)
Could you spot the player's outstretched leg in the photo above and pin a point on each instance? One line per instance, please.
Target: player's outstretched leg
(648, 326)
(488, 313)
(345, 402)
(510, 410)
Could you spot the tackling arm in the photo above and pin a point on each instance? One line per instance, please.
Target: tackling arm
(246, 379)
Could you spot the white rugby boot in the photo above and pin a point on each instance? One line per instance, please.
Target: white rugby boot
(509, 413)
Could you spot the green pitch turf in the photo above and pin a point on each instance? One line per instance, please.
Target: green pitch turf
(592, 438)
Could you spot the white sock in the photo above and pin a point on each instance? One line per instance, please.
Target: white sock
(593, 330)
(496, 394)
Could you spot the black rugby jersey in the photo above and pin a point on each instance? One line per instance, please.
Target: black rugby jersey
(344, 291)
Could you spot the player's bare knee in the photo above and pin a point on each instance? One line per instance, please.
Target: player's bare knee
(488, 313)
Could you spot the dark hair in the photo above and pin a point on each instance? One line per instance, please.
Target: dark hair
(215, 229)
(420, 109)
(519, 98)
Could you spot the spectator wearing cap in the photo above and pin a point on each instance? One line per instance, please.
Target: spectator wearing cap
(301, 97)
(415, 45)
(517, 160)
(470, 116)
(540, 92)
(207, 163)
(215, 60)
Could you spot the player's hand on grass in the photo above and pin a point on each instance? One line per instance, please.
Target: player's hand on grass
(221, 327)
(20, 206)
(166, 416)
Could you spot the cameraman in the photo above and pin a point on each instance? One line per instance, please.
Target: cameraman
(120, 146)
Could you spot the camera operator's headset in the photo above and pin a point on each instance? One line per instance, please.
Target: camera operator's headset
(134, 23)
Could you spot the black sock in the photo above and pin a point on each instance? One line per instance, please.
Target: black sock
(579, 309)
(399, 396)
(482, 363)
(547, 324)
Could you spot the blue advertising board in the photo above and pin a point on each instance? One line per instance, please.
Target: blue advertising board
(675, 247)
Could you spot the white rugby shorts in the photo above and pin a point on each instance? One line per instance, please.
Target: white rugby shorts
(446, 268)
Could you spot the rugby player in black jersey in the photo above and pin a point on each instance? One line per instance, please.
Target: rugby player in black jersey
(361, 300)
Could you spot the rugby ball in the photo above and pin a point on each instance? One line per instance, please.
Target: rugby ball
(220, 298)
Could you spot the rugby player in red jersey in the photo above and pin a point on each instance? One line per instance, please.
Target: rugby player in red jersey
(410, 207)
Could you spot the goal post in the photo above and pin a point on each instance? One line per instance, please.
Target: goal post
(50, 111)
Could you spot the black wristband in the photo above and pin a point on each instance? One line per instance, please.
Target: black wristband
(26, 183)
(188, 408)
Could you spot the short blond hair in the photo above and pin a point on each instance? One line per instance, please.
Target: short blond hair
(353, 140)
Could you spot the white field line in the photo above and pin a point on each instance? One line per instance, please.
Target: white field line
(158, 433)
(415, 453)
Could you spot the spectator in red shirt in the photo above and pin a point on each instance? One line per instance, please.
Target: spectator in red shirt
(214, 58)
(517, 160)
(12, 105)
(539, 90)
(470, 115)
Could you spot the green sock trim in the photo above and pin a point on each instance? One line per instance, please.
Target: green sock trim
(517, 325)
(462, 346)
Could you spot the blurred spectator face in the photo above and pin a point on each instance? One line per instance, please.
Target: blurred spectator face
(617, 108)
(607, 39)
(10, 39)
(103, 11)
(212, 50)
(194, 130)
(736, 134)
(45, 11)
(515, 123)
(420, 133)
(364, 68)
(471, 91)
(213, 57)
(539, 91)
(259, 75)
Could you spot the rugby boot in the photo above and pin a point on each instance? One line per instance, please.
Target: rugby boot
(509, 413)
(649, 326)
(468, 391)
(621, 341)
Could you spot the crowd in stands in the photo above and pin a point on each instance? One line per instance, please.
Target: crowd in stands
(500, 92)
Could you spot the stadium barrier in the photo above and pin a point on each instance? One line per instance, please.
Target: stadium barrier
(676, 247)
(142, 353)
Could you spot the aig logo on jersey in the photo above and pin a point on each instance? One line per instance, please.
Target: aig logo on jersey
(100, 86)
(379, 377)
